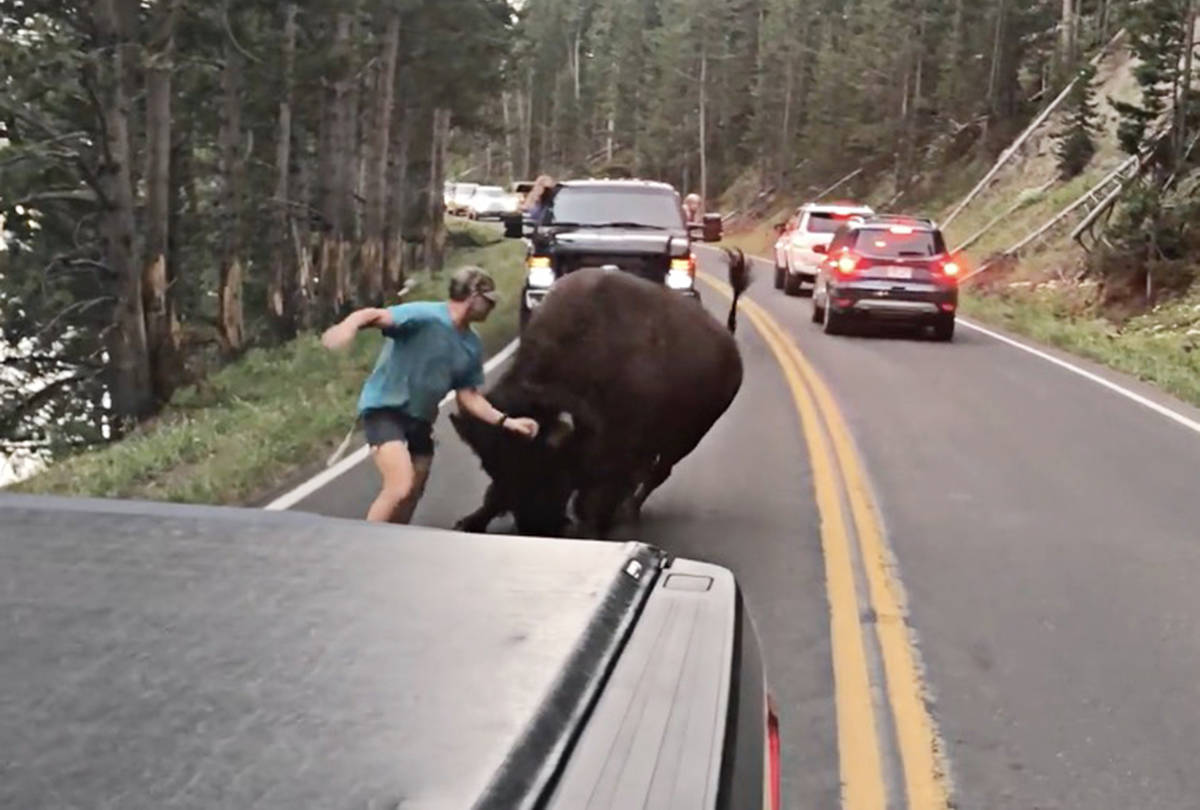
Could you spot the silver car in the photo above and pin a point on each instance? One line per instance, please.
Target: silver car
(491, 202)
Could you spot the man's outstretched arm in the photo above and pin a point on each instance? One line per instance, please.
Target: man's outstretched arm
(476, 404)
(342, 334)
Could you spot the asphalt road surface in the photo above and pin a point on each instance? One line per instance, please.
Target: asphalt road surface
(1046, 530)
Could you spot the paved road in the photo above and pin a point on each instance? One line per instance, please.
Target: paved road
(740, 500)
(1046, 529)
(1048, 534)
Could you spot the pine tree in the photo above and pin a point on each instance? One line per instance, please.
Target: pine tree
(1158, 37)
(1076, 144)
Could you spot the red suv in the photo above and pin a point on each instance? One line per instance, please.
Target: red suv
(887, 268)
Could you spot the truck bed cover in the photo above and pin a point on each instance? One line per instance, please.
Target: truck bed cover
(157, 656)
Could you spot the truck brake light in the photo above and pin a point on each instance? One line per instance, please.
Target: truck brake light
(685, 264)
(774, 765)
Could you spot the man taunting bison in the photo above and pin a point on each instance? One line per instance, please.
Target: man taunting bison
(624, 378)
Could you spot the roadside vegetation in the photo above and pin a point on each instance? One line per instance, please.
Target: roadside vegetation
(167, 222)
(1129, 298)
(232, 437)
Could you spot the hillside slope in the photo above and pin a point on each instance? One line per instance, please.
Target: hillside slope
(1044, 293)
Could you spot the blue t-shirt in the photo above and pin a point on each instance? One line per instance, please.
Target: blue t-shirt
(424, 357)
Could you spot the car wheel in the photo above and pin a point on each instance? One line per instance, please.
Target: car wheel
(943, 328)
(835, 322)
(780, 274)
(791, 284)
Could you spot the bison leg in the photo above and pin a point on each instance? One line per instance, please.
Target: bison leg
(597, 507)
(659, 473)
(479, 520)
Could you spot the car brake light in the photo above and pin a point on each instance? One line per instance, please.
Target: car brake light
(950, 268)
(774, 765)
(847, 263)
(902, 229)
(685, 264)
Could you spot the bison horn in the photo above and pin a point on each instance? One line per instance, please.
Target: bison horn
(564, 426)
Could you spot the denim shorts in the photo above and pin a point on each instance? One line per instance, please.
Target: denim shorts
(384, 425)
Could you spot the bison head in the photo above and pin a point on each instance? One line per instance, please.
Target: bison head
(531, 479)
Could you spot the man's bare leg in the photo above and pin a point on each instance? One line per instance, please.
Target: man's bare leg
(396, 468)
(420, 466)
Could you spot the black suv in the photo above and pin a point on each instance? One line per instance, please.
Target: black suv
(893, 268)
(632, 225)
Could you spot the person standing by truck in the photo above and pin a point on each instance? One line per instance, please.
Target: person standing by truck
(538, 198)
(430, 350)
(693, 209)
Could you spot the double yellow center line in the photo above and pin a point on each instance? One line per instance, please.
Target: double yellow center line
(839, 483)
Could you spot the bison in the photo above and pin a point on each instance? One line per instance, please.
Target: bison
(625, 378)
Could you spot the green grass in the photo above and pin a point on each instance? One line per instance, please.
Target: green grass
(235, 436)
(1161, 347)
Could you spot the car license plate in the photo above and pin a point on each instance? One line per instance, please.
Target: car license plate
(899, 272)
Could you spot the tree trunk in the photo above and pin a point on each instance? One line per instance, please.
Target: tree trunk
(183, 180)
(129, 376)
(994, 71)
(162, 325)
(435, 229)
(1185, 90)
(280, 295)
(335, 178)
(415, 224)
(301, 287)
(509, 167)
(785, 135)
(703, 115)
(397, 203)
(230, 324)
(354, 153)
(1067, 38)
(372, 256)
(527, 156)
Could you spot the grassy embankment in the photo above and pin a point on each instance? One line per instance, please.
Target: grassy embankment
(274, 412)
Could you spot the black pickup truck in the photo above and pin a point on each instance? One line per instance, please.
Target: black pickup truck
(161, 656)
(632, 225)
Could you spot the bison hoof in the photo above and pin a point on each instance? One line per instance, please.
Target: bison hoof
(474, 526)
(629, 512)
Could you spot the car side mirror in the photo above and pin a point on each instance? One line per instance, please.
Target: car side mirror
(820, 248)
(514, 225)
(779, 228)
(712, 227)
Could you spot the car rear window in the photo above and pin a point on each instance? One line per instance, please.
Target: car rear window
(888, 243)
(597, 206)
(825, 222)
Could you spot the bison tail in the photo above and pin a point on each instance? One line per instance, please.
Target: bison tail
(739, 280)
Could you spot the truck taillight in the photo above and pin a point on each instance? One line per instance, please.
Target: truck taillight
(950, 269)
(686, 264)
(774, 780)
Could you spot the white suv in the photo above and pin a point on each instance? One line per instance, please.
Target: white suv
(815, 225)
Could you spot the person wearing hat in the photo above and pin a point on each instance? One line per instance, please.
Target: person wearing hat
(429, 351)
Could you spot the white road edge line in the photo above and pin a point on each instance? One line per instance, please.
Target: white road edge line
(1162, 410)
(294, 496)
